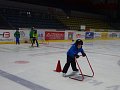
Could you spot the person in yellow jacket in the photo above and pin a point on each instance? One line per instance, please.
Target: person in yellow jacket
(35, 38)
(31, 34)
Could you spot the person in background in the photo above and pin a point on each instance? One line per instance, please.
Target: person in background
(31, 34)
(72, 53)
(35, 38)
(17, 36)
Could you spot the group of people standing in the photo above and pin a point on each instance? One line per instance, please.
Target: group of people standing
(33, 37)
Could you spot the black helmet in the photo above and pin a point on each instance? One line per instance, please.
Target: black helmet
(79, 42)
(32, 28)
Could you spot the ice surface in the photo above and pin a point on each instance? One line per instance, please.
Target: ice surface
(104, 57)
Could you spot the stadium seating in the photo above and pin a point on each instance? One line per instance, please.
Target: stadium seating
(57, 19)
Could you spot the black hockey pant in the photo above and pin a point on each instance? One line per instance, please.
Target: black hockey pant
(71, 61)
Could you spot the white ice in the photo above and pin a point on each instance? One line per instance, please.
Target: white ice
(104, 57)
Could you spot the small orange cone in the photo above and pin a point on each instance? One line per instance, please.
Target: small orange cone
(58, 68)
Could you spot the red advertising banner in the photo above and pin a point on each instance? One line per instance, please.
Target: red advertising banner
(6, 34)
(54, 35)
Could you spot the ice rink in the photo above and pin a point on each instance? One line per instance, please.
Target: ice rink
(25, 68)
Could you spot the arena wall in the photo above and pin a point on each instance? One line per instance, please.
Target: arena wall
(52, 35)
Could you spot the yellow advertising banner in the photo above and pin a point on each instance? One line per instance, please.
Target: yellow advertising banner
(104, 35)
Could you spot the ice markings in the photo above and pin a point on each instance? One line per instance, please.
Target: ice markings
(21, 81)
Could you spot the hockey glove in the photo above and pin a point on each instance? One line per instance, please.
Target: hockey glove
(83, 54)
(77, 56)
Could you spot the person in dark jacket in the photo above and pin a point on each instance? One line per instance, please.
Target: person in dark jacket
(72, 53)
(17, 36)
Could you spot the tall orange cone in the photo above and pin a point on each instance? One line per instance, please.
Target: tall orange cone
(58, 68)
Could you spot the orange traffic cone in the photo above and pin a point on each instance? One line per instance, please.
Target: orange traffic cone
(58, 68)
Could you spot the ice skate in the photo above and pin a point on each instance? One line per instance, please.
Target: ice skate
(75, 72)
(70, 74)
(64, 74)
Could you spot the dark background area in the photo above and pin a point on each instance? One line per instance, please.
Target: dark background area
(109, 8)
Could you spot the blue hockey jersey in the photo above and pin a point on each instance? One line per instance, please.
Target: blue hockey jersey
(74, 51)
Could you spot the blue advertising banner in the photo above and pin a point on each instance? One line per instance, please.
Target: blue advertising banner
(70, 35)
(89, 35)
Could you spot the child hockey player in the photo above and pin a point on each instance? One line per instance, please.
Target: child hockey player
(72, 54)
(17, 36)
(31, 34)
(35, 38)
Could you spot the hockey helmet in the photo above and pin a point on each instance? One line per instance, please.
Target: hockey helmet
(79, 42)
